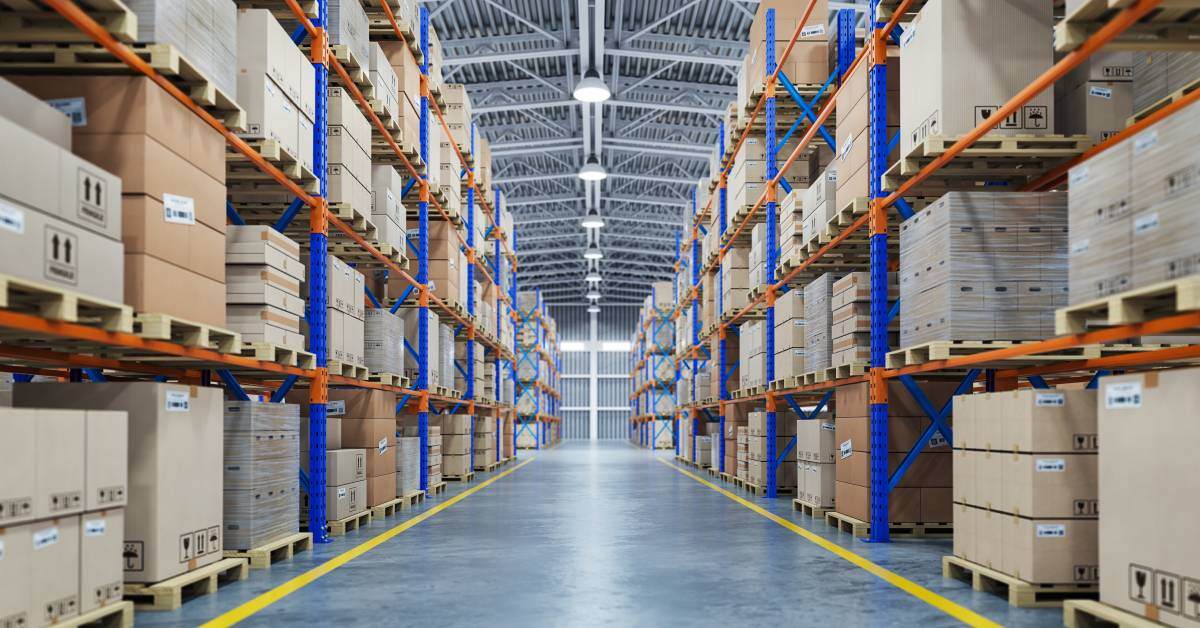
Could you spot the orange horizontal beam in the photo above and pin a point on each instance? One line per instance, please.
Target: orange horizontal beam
(1127, 360)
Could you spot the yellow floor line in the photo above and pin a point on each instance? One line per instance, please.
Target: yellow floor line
(295, 584)
(960, 613)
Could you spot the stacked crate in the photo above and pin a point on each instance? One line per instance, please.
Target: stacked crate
(344, 312)
(850, 329)
(1096, 98)
(756, 433)
(408, 465)
(704, 451)
(790, 335)
(277, 87)
(369, 423)
(261, 464)
(791, 224)
(387, 206)
(742, 468)
(1025, 484)
(348, 138)
(387, 86)
(983, 266)
(345, 485)
(820, 204)
(460, 356)
(751, 346)
(484, 449)
(923, 494)
(818, 320)
(735, 277)
(456, 445)
(206, 32)
(853, 128)
(816, 461)
(383, 341)
(805, 65)
(434, 456)
(263, 272)
(62, 527)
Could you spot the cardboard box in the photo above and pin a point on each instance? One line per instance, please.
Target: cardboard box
(815, 440)
(16, 595)
(269, 113)
(378, 438)
(170, 233)
(345, 466)
(964, 532)
(903, 433)
(1048, 551)
(1029, 421)
(1047, 485)
(816, 482)
(930, 469)
(30, 112)
(59, 460)
(456, 464)
(152, 285)
(904, 504)
(854, 400)
(346, 500)
(362, 404)
(54, 570)
(382, 488)
(18, 484)
(173, 522)
(101, 543)
(106, 465)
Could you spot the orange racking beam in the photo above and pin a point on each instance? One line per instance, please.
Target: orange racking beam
(1145, 358)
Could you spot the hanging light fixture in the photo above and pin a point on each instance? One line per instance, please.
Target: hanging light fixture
(594, 276)
(593, 252)
(592, 170)
(591, 88)
(593, 294)
(594, 308)
(592, 219)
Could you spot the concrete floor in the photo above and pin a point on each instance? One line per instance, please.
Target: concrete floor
(604, 534)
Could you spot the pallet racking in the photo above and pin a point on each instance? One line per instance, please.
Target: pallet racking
(1001, 368)
(647, 355)
(48, 339)
(542, 420)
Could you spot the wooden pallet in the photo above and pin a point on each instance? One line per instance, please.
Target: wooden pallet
(489, 467)
(341, 526)
(1168, 100)
(1019, 593)
(247, 183)
(846, 370)
(811, 377)
(411, 500)
(389, 379)
(727, 477)
(469, 476)
(170, 594)
(761, 491)
(54, 303)
(438, 488)
(947, 349)
(1174, 25)
(810, 509)
(27, 22)
(280, 549)
(187, 333)
(1132, 306)
(92, 59)
(1094, 614)
(348, 370)
(387, 509)
(286, 356)
(381, 26)
(1011, 159)
(862, 529)
(111, 615)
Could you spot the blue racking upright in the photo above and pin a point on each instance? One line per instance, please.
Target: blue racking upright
(535, 393)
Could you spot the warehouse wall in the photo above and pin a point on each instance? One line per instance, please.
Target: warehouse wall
(595, 383)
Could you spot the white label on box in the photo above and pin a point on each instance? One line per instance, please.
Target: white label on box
(1080, 247)
(1051, 530)
(341, 492)
(908, 35)
(1123, 395)
(383, 445)
(937, 440)
(1100, 92)
(95, 527)
(1080, 175)
(74, 108)
(845, 148)
(829, 426)
(179, 209)
(1145, 142)
(812, 31)
(1050, 399)
(831, 176)
(45, 538)
(335, 408)
(1, 549)
(12, 218)
(1145, 222)
(1050, 465)
(177, 401)
(847, 448)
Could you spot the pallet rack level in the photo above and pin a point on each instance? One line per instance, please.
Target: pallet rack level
(885, 29)
(197, 364)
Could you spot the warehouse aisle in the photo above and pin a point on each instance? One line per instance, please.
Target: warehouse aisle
(604, 535)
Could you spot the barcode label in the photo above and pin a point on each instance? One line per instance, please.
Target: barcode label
(845, 150)
(341, 492)
(1052, 530)
(1080, 175)
(1145, 142)
(1123, 395)
(813, 31)
(1050, 399)
(1080, 247)
(1100, 92)
(177, 401)
(12, 218)
(95, 527)
(1050, 465)
(828, 426)
(73, 108)
(179, 209)
(1145, 222)
(908, 35)
(847, 448)
(335, 408)
(45, 537)
(383, 445)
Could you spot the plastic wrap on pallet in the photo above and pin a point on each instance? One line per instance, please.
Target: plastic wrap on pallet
(261, 462)
(818, 315)
(408, 465)
(983, 266)
(384, 341)
(1157, 75)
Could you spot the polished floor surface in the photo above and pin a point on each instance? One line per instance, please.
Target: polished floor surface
(592, 534)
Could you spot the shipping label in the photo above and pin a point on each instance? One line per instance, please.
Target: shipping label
(847, 448)
(335, 408)
(180, 210)
(45, 537)
(812, 31)
(178, 401)
(95, 527)
(1123, 395)
(1051, 530)
(1144, 223)
(73, 108)
(1100, 92)
(1145, 141)
(1052, 400)
(12, 218)
(1050, 465)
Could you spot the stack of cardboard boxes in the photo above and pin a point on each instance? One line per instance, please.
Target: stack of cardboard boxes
(983, 266)
(704, 451)
(1025, 484)
(1096, 98)
(261, 464)
(62, 526)
(923, 494)
(383, 341)
(756, 431)
(853, 177)
(456, 445)
(434, 455)
(264, 271)
(790, 332)
(387, 206)
(733, 367)
(807, 62)
(484, 449)
(349, 143)
(387, 85)
(50, 191)
(345, 485)
(412, 318)
(850, 329)
(447, 264)
(820, 204)
(791, 224)
(204, 31)
(408, 97)
(816, 461)
(349, 27)
(742, 442)
(735, 419)
(276, 86)
(1158, 74)
(818, 319)
(735, 278)
(445, 357)
(369, 423)
(408, 465)
(751, 343)
(174, 443)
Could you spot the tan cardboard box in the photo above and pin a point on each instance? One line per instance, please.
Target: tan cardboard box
(819, 481)
(55, 570)
(1145, 476)
(17, 594)
(18, 448)
(345, 466)
(1049, 485)
(964, 478)
(263, 47)
(456, 464)
(171, 233)
(989, 479)
(152, 285)
(264, 294)
(989, 538)
(929, 470)
(377, 437)
(101, 543)
(269, 113)
(815, 440)
(252, 239)
(254, 317)
(249, 278)
(964, 532)
(346, 500)
(458, 444)
(854, 400)
(59, 460)
(1027, 421)
(381, 488)
(30, 112)
(262, 254)
(1049, 551)
(106, 464)
(456, 424)
(333, 433)
(904, 504)
(362, 404)
(903, 432)
(172, 521)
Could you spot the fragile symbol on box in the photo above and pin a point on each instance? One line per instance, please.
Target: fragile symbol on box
(91, 198)
(62, 256)
(1140, 587)
(134, 555)
(1087, 573)
(187, 548)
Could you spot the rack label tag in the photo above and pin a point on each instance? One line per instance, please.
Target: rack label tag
(812, 31)
(847, 448)
(1123, 395)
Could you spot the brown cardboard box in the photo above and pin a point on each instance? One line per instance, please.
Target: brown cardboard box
(55, 570)
(456, 424)
(903, 432)
(93, 267)
(172, 520)
(106, 464)
(18, 449)
(101, 542)
(178, 240)
(381, 488)
(456, 464)
(1049, 485)
(930, 469)
(59, 459)
(458, 444)
(15, 596)
(1147, 472)
(854, 400)
(377, 437)
(345, 466)
(815, 440)
(362, 404)
(346, 500)
(1027, 421)
(152, 285)
(964, 532)
(1048, 551)
(904, 504)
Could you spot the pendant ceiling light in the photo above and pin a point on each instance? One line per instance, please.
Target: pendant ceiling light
(594, 276)
(592, 170)
(592, 219)
(594, 308)
(593, 294)
(593, 252)
(591, 88)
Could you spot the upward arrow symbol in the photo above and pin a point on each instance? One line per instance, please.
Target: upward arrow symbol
(67, 250)
(54, 247)
(98, 196)
(87, 189)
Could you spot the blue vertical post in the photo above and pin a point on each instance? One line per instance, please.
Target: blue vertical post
(845, 40)
(675, 291)
(469, 395)
(723, 395)
(518, 421)
(423, 260)
(772, 225)
(318, 250)
(499, 283)
(878, 141)
(695, 283)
